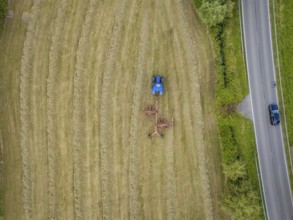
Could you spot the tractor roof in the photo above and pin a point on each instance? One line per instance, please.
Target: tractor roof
(158, 87)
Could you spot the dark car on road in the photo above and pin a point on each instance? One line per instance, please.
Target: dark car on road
(274, 114)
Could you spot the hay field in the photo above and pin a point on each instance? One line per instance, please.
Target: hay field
(74, 80)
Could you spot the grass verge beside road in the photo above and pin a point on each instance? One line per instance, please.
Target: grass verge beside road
(242, 194)
(284, 22)
(282, 29)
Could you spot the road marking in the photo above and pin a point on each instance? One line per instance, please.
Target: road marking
(252, 109)
(272, 53)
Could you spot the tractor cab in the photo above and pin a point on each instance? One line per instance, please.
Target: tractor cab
(158, 87)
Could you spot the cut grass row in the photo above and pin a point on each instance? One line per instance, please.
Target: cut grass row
(78, 120)
(196, 112)
(188, 63)
(105, 106)
(134, 202)
(241, 195)
(25, 110)
(54, 56)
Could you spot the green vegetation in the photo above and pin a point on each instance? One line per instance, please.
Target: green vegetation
(214, 12)
(284, 12)
(242, 195)
(3, 7)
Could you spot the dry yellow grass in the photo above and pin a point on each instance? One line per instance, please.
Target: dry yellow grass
(54, 56)
(138, 90)
(80, 166)
(25, 115)
(73, 112)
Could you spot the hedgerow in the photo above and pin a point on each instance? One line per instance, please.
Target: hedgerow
(241, 197)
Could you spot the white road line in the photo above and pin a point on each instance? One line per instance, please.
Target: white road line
(285, 158)
(281, 87)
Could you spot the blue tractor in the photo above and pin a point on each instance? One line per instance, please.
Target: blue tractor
(158, 87)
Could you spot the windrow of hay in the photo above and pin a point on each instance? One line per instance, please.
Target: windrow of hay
(78, 104)
(196, 109)
(134, 201)
(105, 105)
(96, 64)
(170, 176)
(124, 84)
(26, 63)
(54, 56)
(1, 147)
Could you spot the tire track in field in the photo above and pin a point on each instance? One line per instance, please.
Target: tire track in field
(26, 64)
(170, 141)
(134, 203)
(146, 176)
(78, 103)
(196, 110)
(159, 157)
(54, 55)
(182, 117)
(105, 96)
(169, 171)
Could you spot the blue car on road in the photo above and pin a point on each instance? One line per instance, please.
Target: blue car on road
(274, 114)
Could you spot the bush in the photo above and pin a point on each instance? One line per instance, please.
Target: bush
(214, 13)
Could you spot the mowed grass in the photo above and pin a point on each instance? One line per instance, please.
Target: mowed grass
(73, 86)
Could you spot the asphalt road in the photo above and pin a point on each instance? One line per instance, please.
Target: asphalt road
(261, 75)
